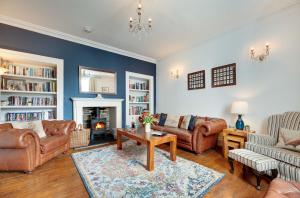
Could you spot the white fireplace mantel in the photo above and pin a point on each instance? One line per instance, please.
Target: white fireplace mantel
(79, 103)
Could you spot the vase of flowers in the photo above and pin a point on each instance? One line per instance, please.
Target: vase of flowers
(148, 120)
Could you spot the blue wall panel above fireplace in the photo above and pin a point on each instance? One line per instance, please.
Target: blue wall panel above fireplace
(74, 54)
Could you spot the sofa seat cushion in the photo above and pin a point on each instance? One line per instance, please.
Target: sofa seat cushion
(182, 134)
(50, 143)
(283, 155)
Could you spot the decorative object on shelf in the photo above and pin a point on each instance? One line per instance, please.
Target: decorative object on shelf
(223, 75)
(148, 120)
(137, 26)
(260, 57)
(247, 128)
(174, 74)
(240, 108)
(196, 80)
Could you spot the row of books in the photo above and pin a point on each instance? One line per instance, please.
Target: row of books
(138, 85)
(22, 85)
(136, 110)
(29, 116)
(144, 98)
(24, 70)
(31, 101)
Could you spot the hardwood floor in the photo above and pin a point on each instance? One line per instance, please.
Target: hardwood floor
(59, 178)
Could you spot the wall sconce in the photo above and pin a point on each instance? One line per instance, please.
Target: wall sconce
(260, 57)
(175, 74)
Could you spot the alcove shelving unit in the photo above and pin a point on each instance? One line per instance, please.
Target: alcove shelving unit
(139, 95)
(31, 88)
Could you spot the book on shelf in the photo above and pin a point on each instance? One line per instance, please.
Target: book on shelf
(24, 85)
(136, 110)
(27, 70)
(29, 116)
(30, 101)
(139, 85)
(144, 98)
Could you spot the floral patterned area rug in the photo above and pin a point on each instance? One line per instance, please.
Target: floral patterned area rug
(108, 172)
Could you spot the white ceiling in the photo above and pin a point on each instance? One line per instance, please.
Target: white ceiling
(176, 24)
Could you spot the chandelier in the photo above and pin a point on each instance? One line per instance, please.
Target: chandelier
(137, 26)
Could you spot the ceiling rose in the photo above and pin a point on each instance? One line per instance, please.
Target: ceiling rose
(139, 27)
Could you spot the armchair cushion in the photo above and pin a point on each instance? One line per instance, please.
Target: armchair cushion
(51, 143)
(36, 126)
(287, 135)
(282, 155)
(15, 138)
(58, 127)
(265, 140)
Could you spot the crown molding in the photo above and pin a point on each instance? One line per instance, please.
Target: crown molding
(61, 35)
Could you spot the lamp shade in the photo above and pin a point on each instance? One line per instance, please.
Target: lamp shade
(239, 107)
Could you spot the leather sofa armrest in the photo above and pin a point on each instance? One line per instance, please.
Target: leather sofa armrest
(214, 126)
(16, 138)
(59, 127)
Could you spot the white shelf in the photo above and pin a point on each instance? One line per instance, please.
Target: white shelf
(27, 107)
(28, 92)
(132, 78)
(13, 76)
(138, 102)
(139, 90)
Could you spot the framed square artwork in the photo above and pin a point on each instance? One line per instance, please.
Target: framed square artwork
(196, 80)
(223, 75)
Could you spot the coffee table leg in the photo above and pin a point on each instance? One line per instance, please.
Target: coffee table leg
(173, 147)
(150, 157)
(119, 141)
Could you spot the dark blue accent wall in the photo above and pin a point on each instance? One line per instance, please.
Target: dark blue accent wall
(74, 54)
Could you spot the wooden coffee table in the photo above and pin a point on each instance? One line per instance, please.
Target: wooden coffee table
(140, 136)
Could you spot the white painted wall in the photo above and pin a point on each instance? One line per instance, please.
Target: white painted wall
(270, 87)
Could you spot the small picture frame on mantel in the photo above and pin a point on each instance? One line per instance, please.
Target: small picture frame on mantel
(222, 76)
(196, 80)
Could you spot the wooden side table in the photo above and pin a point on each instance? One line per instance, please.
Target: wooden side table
(234, 137)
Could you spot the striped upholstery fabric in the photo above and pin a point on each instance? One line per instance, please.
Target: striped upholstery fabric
(261, 139)
(289, 161)
(283, 155)
(254, 160)
(273, 127)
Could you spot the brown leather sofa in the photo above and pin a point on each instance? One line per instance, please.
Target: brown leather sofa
(280, 188)
(23, 150)
(202, 138)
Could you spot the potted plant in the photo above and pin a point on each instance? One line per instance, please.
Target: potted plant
(148, 120)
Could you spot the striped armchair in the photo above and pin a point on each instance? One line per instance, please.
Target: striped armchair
(289, 161)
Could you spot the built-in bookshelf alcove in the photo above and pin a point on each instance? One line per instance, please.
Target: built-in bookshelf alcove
(31, 87)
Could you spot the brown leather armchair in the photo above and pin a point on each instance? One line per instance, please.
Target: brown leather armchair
(23, 150)
(280, 188)
(202, 138)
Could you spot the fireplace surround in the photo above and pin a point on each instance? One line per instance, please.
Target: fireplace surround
(116, 108)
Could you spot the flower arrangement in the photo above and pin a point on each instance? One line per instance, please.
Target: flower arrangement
(148, 119)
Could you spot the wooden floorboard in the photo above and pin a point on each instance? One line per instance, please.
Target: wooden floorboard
(59, 178)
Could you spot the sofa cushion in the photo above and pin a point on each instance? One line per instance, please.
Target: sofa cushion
(192, 123)
(162, 119)
(182, 134)
(52, 142)
(287, 156)
(172, 121)
(185, 121)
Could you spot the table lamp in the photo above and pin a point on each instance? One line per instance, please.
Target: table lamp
(240, 108)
